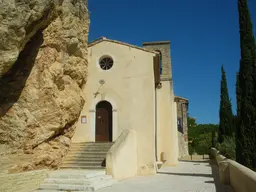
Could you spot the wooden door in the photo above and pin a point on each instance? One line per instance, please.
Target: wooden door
(102, 124)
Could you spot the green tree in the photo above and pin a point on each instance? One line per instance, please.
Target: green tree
(225, 113)
(228, 147)
(191, 122)
(213, 138)
(246, 91)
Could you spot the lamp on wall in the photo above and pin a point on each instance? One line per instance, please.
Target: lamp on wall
(159, 86)
(102, 81)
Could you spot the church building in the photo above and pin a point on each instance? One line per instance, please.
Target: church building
(129, 89)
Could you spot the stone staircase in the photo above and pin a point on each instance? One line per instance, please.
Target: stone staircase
(86, 156)
(70, 180)
(83, 169)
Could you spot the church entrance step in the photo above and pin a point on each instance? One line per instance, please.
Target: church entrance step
(76, 180)
(86, 156)
(82, 163)
(82, 167)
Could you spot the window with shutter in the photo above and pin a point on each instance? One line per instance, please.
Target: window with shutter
(157, 70)
(180, 125)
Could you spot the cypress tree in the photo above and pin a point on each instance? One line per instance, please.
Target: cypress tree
(246, 91)
(237, 127)
(225, 113)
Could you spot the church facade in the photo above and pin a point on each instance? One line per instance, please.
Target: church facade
(131, 88)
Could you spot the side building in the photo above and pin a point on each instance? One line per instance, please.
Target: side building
(182, 111)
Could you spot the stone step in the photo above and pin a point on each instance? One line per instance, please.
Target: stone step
(99, 158)
(75, 158)
(88, 150)
(86, 155)
(86, 158)
(78, 181)
(81, 167)
(91, 157)
(49, 190)
(67, 161)
(76, 174)
(102, 146)
(70, 187)
(63, 187)
(83, 163)
(81, 156)
(92, 144)
(104, 184)
(91, 147)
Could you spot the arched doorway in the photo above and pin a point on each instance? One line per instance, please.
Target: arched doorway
(103, 132)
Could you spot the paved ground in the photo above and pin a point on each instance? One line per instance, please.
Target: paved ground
(188, 176)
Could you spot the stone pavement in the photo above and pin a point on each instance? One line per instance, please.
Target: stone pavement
(196, 176)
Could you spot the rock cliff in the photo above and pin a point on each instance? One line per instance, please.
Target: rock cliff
(43, 66)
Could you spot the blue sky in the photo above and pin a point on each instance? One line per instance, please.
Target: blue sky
(204, 34)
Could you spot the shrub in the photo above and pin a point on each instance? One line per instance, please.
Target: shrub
(217, 146)
(228, 147)
(214, 139)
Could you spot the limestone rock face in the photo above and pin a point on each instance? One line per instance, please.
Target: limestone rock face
(43, 66)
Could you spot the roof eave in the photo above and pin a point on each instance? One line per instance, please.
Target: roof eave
(101, 39)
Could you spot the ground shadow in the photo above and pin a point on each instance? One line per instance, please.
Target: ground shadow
(192, 161)
(209, 181)
(103, 163)
(13, 82)
(187, 174)
(213, 177)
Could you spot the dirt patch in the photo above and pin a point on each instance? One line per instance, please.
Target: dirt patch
(9, 158)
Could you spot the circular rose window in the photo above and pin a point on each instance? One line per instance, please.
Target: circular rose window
(106, 63)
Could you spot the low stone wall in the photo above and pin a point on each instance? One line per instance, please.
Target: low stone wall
(239, 177)
(22, 182)
(121, 161)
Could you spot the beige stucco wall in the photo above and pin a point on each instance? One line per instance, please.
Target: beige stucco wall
(167, 141)
(129, 87)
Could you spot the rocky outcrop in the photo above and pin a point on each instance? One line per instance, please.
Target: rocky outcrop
(43, 66)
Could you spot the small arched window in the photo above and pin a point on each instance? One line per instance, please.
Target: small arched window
(161, 61)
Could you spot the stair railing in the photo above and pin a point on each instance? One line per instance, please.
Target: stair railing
(121, 160)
